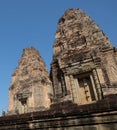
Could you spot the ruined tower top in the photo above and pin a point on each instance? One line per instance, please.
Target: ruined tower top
(30, 86)
(77, 31)
(31, 68)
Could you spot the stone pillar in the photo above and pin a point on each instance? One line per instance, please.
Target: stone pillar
(74, 89)
(56, 80)
(68, 86)
(63, 84)
(94, 87)
(100, 75)
(97, 83)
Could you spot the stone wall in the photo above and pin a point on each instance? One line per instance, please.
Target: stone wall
(67, 116)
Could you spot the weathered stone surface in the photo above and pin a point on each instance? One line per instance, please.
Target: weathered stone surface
(30, 88)
(67, 116)
(78, 35)
(84, 66)
(84, 79)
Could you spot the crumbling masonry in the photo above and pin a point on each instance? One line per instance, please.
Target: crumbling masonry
(83, 70)
(30, 88)
(84, 66)
(80, 92)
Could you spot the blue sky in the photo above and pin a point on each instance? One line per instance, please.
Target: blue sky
(25, 23)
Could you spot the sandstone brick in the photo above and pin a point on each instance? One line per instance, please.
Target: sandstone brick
(30, 88)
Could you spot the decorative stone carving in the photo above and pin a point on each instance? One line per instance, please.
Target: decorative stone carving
(84, 78)
(81, 48)
(83, 69)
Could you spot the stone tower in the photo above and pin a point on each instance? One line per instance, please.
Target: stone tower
(84, 66)
(30, 88)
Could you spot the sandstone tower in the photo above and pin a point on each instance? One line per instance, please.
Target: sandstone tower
(83, 94)
(30, 88)
(84, 66)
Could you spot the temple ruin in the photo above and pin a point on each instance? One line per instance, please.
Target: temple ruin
(80, 93)
(84, 66)
(30, 88)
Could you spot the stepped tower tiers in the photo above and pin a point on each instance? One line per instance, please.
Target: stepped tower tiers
(30, 88)
(84, 66)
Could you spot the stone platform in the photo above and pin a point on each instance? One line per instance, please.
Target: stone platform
(101, 115)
